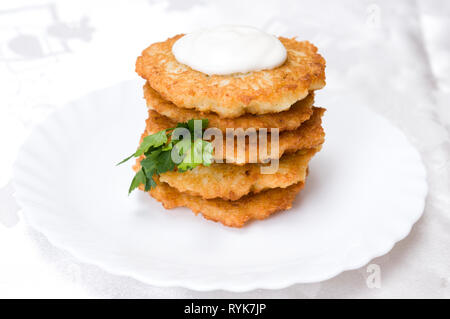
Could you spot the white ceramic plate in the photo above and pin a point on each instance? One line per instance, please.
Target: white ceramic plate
(365, 190)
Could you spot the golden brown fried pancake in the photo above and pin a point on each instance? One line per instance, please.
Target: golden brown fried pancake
(231, 182)
(309, 135)
(230, 96)
(286, 120)
(229, 213)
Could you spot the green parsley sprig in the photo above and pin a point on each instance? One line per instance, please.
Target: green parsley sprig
(157, 149)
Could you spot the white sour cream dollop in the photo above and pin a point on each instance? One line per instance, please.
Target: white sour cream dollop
(229, 49)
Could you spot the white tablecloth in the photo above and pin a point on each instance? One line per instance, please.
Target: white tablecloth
(392, 56)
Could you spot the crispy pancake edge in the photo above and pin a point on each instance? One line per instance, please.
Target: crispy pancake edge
(309, 135)
(230, 96)
(231, 182)
(285, 120)
(229, 213)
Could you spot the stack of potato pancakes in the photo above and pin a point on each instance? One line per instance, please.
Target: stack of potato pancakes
(236, 191)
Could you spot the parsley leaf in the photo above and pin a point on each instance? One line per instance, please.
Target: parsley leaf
(154, 140)
(182, 148)
(195, 155)
(150, 183)
(123, 161)
(165, 163)
(150, 141)
(138, 179)
(191, 124)
(157, 150)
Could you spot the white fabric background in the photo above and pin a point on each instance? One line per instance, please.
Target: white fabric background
(392, 56)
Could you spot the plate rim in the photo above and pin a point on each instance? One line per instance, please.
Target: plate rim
(274, 282)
